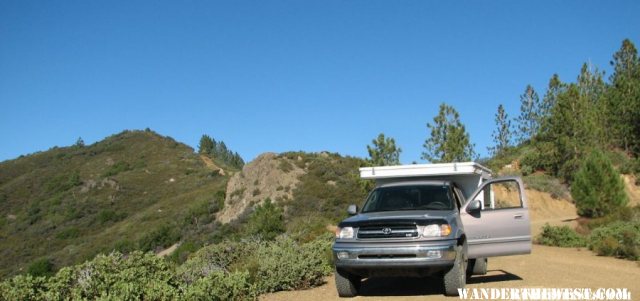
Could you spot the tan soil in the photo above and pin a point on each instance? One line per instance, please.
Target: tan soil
(545, 209)
(633, 191)
(168, 251)
(209, 163)
(549, 267)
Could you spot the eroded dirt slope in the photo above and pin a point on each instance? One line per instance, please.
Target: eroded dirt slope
(264, 177)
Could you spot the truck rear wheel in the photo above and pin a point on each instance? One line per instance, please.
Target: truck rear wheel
(456, 277)
(477, 266)
(348, 285)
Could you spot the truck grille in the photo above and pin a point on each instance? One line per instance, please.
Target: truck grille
(388, 231)
(386, 256)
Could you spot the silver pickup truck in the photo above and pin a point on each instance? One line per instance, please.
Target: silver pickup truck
(431, 219)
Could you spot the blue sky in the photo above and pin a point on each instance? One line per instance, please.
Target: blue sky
(286, 75)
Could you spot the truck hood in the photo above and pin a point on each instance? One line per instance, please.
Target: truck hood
(419, 217)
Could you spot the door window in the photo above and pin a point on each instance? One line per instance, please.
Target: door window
(501, 195)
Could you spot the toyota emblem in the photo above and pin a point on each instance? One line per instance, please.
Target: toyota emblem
(386, 231)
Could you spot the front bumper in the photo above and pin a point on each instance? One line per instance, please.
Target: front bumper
(394, 255)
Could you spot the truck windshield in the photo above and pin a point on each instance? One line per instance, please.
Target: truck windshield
(414, 197)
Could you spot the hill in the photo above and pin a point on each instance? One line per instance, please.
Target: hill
(138, 190)
(133, 190)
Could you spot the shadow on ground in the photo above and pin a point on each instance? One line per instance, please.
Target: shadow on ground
(494, 276)
(401, 286)
(411, 286)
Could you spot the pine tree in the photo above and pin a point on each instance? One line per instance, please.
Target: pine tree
(237, 160)
(623, 98)
(266, 221)
(79, 142)
(449, 140)
(530, 115)
(555, 87)
(206, 145)
(546, 156)
(502, 134)
(570, 133)
(597, 188)
(384, 151)
(222, 152)
(592, 88)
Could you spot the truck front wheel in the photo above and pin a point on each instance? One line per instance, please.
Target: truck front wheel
(348, 285)
(456, 277)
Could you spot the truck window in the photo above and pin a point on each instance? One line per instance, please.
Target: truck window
(411, 197)
(502, 195)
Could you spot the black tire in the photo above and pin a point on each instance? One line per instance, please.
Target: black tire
(456, 277)
(348, 285)
(477, 266)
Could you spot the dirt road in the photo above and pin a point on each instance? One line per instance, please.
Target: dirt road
(545, 267)
(549, 267)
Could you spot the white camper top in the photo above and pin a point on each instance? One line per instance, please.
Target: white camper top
(467, 175)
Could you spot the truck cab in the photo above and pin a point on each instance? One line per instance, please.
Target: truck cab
(431, 219)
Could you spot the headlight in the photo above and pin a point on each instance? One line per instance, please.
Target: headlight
(346, 232)
(436, 230)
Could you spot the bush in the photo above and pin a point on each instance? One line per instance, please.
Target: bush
(71, 232)
(625, 214)
(162, 237)
(212, 259)
(227, 271)
(560, 237)
(266, 221)
(63, 182)
(218, 203)
(121, 277)
(621, 161)
(305, 266)
(183, 251)
(597, 188)
(136, 276)
(620, 239)
(41, 267)
(546, 183)
(222, 286)
(23, 287)
(108, 215)
(116, 169)
(285, 165)
(124, 246)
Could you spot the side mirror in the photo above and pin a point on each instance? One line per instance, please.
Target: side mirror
(352, 210)
(474, 207)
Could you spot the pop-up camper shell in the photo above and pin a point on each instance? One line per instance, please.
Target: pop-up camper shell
(467, 175)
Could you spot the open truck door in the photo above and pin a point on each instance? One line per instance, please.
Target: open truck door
(496, 219)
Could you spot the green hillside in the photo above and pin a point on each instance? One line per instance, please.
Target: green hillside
(133, 190)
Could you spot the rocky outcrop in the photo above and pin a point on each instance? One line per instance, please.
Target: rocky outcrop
(268, 176)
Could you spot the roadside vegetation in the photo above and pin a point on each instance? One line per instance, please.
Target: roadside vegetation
(230, 270)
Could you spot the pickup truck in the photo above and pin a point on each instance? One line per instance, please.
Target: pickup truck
(431, 219)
